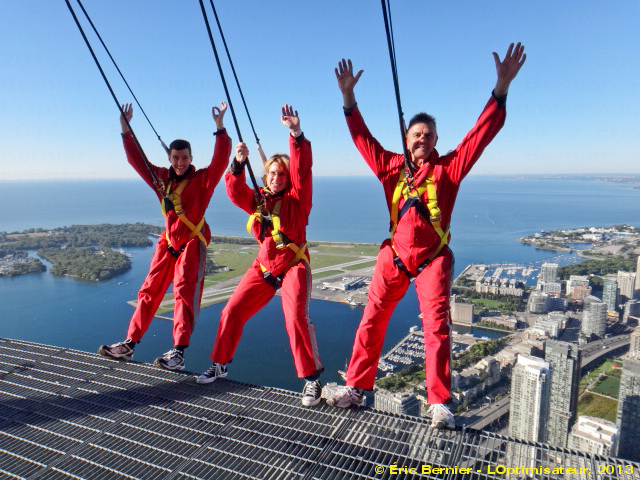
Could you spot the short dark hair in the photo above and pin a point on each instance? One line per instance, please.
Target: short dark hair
(180, 145)
(422, 118)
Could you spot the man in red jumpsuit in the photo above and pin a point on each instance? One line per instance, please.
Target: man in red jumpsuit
(180, 255)
(283, 260)
(418, 247)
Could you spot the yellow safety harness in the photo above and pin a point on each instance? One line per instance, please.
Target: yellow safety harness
(412, 196)
(279, 237)
(175, 200)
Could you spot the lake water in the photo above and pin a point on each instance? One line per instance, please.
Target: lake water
(491, 212)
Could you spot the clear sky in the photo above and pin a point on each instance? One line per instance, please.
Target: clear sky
(573, 108)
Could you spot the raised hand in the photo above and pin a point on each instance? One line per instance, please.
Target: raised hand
(347, 81)
(127, 113)
(242, 152)
(290, 118)
(218, 114)
(508, 68)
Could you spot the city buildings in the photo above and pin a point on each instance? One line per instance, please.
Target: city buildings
(538, 302)
(626, 285)
(548, 272)
(628, 418)
(631, 311)
(610, 294)
(634, 344)
(564, 359)
(594, 435)
(530, 395)
(461, 313)
(594, 317)
(577, 281)
(401, 403)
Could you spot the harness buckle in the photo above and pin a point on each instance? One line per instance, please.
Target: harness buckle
(275, 282)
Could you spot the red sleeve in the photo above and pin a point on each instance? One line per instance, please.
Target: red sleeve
(239, 192)
(136, 160)
(219, 162)
(381, 161)
(300, 171)
(486, 128)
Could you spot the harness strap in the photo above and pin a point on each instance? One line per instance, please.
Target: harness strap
(412, 197)
(276, 281)
(400, 264)
(173, 198)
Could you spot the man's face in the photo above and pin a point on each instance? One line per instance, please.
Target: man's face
(421, 140)
(277, 178)
(180, 160)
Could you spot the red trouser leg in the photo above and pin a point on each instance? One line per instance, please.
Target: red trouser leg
(387, 288)
(251, 294)
(296, 296)
(434, 287)
(188, 281)
(152, 291)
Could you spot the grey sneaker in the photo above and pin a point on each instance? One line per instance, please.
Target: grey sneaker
(119, 351)
(172, 360)
(346, 397)
(441, 416)
(215, 371)
(312, 393)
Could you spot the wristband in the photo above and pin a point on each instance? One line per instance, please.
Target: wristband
(296, 134)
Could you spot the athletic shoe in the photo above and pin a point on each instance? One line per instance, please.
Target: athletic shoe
(441, 416)
(119, 351)
(312, 393)
(216, 371)
(346, 397)
(172, 360)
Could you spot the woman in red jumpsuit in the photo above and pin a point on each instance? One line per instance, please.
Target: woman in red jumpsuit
(279, 224)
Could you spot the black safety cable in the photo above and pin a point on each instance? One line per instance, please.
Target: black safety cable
(122, 76)
(226, 90)
(246, 109)
(386, 11)
(158, 184)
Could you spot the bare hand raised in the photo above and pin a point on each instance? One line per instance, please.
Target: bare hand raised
(290, 118)
(127, 113)
(508, 68)
(347, 81)
(218, 114)
(242, 152)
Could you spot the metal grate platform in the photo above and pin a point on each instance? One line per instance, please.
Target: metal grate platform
(66, 414)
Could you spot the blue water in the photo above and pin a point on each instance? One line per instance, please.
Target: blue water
(491, 212)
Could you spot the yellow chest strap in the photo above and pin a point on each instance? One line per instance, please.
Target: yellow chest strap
(403, 189)
(174, 196)
(276, 232)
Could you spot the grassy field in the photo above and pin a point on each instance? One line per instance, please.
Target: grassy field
(608, 386)
(326, 274)
(488, 302)
(351, 249)
(360, 265)
(597, 406)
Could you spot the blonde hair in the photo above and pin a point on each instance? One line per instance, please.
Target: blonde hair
(281, 159)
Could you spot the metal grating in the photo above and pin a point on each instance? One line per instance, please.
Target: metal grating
(66, 414)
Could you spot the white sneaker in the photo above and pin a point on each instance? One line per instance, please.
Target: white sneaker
(215, 371)
(119, 351)
(312, 393)
(346, 397)
(172, 360)
(441, 416)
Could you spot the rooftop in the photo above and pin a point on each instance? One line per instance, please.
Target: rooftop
(66, 414)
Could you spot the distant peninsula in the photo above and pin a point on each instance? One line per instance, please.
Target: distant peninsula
(85, 252)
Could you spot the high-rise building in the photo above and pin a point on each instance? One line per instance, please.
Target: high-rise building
(631, 309)
(610, 294)
(626, 285)
(530, 393)
(628, 418)
(402, 403)
(634, 344)
(638, 274)
(594, 317)
(576, 281)
(594, 435)
(538, 302)
(564, 359)
(461, 313)
(548, 272)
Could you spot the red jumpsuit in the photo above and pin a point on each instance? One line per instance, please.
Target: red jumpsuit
(254, 292)
(415, 240)
(186, 271)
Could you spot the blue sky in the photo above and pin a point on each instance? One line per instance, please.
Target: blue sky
(572, 109)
